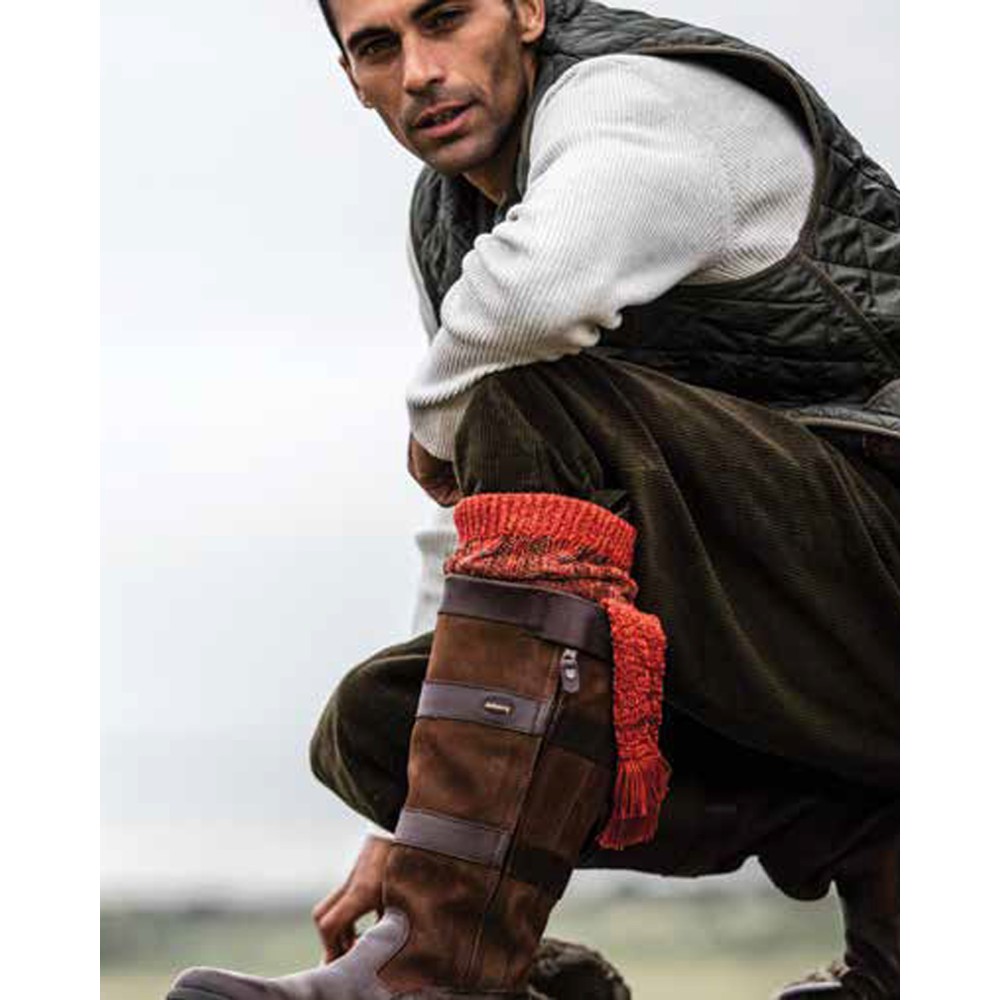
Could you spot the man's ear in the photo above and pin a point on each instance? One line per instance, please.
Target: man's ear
(531, 18)
(346, 67)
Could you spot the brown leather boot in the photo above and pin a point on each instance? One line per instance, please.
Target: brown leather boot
(510, 774)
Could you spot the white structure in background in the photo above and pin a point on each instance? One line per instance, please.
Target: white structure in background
(436, 542)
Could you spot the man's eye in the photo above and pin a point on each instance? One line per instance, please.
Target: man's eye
(445, 18)
(376, 47)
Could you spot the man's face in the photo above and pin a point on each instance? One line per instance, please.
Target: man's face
(448, 77)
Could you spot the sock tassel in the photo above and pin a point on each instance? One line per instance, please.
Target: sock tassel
(643, 775)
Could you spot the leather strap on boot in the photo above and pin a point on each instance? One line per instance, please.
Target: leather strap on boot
(553, 615)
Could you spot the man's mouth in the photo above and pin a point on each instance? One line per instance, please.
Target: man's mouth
(440, 119)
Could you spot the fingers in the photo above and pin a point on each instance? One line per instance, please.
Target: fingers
(335, 915)
(333, 942)
(341, 945)
(436, 476)
(346, 942)
(336, 926)
(321, 908)
(445, 495)
(443, 488)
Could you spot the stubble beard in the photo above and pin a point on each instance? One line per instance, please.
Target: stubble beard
(481, 151)
(487, 143)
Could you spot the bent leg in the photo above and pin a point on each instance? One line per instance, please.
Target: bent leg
(772, 640)
(770, 556)
(772, 559)
(726, 803)
(714, 548)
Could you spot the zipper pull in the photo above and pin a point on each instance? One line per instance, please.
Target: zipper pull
(569, 669)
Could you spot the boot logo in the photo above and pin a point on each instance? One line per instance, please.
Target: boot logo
(498, 706)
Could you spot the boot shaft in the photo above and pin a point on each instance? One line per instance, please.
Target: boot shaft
(510, 774)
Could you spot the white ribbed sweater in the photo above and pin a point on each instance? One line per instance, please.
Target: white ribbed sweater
(644, 173)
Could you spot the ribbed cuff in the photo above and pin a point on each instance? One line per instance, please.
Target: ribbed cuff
(435, 426)
(550, 516)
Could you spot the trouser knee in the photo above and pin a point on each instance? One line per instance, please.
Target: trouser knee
(822, 841)
(339, 759)
(360, 745)
(517, 437)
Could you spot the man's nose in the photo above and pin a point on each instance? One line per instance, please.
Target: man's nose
(421, 67)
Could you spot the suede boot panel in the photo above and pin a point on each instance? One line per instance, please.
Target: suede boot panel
(444, 899)
(512, 928)
(476, 652)
(568, 797)
(469, 772)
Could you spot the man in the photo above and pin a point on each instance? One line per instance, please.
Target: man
(661, 281)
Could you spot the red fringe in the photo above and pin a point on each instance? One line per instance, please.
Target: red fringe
(641, 782)
(640, 788)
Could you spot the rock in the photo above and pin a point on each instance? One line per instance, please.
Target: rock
(565, 971)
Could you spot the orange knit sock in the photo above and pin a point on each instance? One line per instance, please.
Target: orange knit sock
(557, 542)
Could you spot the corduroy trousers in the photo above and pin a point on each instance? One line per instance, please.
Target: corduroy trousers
(771, 557)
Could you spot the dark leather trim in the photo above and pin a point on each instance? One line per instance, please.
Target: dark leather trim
(540, 868)
(457, 838)
(484, 706)
(549, 614)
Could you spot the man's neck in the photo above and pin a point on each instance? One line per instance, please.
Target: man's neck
(495, 179)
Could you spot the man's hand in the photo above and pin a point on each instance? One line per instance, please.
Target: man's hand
(361, 894)
(435, 476)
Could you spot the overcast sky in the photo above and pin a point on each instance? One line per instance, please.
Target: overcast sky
(258, 331)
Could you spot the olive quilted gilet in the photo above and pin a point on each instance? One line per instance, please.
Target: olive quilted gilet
(817, 332)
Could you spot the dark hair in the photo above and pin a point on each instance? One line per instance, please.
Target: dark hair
(331, 24)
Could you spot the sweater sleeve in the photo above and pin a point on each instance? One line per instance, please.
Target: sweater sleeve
(625, 197)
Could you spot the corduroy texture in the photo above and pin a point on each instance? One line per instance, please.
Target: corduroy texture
(548, 540)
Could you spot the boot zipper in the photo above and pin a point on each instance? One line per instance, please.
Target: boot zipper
(569, 671)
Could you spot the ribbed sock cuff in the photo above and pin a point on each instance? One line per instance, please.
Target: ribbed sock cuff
(549, 516)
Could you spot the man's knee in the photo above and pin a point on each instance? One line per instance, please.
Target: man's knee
(332, 752)
(360, 746)
(829, 837)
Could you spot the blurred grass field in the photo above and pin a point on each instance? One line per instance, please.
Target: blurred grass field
(714, 946)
